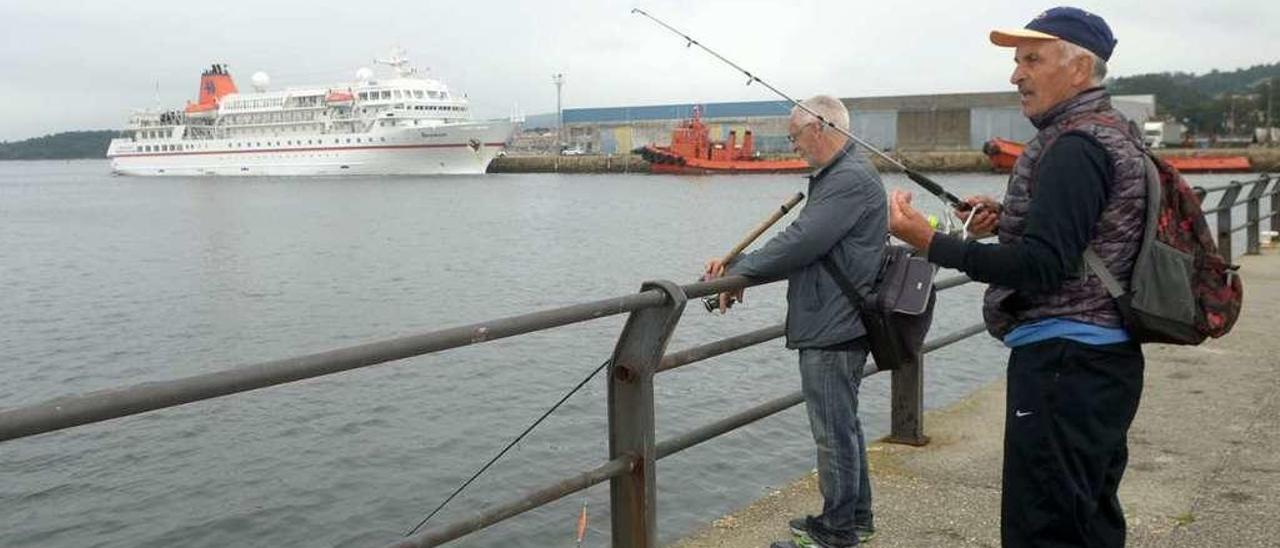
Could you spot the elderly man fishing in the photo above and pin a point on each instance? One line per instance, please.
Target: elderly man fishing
(846, 220)
(1074, 373)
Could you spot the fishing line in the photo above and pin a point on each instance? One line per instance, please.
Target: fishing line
(925, 182)
(513, 443)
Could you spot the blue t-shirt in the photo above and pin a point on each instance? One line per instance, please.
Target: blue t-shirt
(1049, 328)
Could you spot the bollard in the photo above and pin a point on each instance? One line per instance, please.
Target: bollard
(1252, 214)
(631, 426)
(1224, 219)
(907, 405)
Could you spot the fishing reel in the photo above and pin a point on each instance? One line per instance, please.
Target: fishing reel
(712, 302)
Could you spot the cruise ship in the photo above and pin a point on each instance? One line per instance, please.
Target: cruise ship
(404, 125)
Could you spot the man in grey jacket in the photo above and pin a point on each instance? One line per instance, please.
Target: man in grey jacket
(845, 219)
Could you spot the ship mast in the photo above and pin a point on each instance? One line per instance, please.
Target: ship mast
(398, 61)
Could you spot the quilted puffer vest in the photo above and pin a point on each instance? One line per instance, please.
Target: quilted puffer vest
(1117, 236)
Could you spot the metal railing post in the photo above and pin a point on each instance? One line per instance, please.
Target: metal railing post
(906, 405)
(1275, 208)
(1252, 242)
(1227, 202)
(631, 427)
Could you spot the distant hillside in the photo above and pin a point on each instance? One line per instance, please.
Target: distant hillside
(1215, 102)
(59, 146)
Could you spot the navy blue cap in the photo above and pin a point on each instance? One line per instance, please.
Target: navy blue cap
(1073, 25)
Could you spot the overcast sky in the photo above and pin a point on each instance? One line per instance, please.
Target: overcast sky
(83, 65)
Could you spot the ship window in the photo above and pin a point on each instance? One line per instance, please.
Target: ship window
(384, 139)
(397, 94)
(433, 94)
(417, 93)
(364, 95)
(386, 94)
(348, 140)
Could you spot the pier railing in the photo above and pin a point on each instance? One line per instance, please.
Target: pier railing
(639, 355)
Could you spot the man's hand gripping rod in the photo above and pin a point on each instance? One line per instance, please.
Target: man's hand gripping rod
(713, 302)
(924, 182)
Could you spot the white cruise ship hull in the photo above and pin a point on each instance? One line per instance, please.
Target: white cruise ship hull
(447, 149)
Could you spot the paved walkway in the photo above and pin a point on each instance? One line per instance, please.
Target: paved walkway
(1204, 465)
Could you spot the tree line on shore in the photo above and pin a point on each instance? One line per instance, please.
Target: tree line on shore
(68, 145)
(1215, 103)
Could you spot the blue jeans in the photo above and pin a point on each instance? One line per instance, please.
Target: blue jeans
(829, 379)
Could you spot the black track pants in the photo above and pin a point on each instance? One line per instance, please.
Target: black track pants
(1065, 443)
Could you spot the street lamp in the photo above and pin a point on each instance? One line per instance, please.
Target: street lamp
(558, 80)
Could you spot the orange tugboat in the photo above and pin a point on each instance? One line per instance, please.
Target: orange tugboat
(1004, 152)
(693, 152)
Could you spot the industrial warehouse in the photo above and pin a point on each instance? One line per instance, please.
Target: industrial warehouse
(961, 121)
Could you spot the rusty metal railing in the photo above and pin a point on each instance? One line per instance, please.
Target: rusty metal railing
(639, 355)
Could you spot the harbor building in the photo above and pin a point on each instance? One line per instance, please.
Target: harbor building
(957, 121)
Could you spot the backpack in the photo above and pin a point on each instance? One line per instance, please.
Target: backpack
(1182, 289)
(898, 311)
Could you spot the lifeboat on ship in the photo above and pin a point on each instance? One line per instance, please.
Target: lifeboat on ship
(339, 97)
(693, 152)
(1003, 153)
(215, 84)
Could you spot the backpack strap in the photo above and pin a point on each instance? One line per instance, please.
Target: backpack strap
(1099, 268)
(1154, 197)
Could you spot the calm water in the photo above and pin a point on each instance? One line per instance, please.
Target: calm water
(108, 281)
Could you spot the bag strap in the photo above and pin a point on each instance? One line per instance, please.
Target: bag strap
(846, 286)
(1099, 268)
(1091, 258)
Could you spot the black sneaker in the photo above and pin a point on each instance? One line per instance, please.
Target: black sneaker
(865, 533)
(802, 537)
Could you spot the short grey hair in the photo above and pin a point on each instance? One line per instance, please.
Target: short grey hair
(825, 106)
(1071, 51)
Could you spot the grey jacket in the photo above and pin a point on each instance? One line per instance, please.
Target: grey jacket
(847, 217)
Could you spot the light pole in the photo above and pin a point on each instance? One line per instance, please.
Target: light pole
(558, 79)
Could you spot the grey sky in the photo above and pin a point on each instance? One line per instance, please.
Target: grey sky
(83, 65)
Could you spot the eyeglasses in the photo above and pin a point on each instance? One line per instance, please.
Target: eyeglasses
(793, 137)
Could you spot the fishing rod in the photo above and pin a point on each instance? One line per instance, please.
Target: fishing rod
(508, 447)
(711, 303)
(924, 182)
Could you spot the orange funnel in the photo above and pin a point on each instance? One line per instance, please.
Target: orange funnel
(214, 84)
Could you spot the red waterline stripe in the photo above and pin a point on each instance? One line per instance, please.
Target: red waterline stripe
(308, 149)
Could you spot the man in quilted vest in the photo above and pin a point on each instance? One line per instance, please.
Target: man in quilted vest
(1074, 374)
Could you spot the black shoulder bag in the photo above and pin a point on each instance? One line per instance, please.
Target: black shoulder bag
(898, 311)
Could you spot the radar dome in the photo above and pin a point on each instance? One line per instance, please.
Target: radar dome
(260, 80)
(364, 74)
